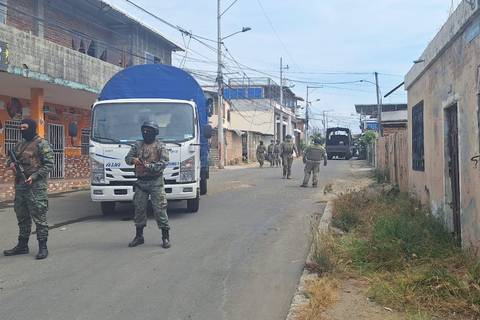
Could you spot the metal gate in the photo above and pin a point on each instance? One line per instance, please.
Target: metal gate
(56, 138)
(12, 134)
(453, 168)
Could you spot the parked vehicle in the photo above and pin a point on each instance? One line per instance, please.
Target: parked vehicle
(175, 101)
(339, 143)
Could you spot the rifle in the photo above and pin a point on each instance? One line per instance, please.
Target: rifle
(18, 165)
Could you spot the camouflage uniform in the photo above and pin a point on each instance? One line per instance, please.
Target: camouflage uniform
(287, 148)
(270, 155)
(31, 201)
(261, 154)
(276, 154)
(312, 157)
(150, 182)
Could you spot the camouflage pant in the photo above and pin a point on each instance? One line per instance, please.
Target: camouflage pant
(276, 159)
(261, 158)
(31, 203)
(311, 167)
(271, 159)
(287, 162)
(156, 190)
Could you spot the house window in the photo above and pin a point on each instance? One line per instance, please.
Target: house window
(418, 157)
(12, 134)
(152, 59)
(85, 139)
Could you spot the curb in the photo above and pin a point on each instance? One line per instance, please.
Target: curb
(300, 297)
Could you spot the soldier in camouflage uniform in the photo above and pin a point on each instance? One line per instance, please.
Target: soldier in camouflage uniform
(270, 155)
(261, 153)
(150, 159)
(286, 150)
(276, 153)
(31, 197)
(312, 157)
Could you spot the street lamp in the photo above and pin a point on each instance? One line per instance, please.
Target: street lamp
(244, 29)
(221, 141)
(306, 111)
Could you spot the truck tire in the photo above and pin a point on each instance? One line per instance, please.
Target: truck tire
(203, 186)
(193, 204)
(107, 207)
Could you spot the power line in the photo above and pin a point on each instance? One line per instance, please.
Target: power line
(276, 33)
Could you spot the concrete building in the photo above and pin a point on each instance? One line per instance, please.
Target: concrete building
(394, 117)
(256, 111)
(233, 153)
(55, 57)
(443, 127)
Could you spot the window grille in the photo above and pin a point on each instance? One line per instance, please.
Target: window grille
(12, 134)
(418, 157)
(85, 138)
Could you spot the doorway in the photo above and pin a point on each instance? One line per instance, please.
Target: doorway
(454, 168)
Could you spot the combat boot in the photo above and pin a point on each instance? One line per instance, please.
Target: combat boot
(20, 248)
(42, 250)
(166, 239)
(303, 185)
(138, 240)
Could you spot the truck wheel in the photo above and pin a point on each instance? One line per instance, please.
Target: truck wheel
(193, 204)
(203, 187)
(107, 207)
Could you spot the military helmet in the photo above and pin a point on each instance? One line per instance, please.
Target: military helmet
(288, 136)
(153, 125)
(317, 140)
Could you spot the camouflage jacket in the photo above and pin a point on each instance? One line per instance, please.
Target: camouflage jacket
(315, 153)
(261, 149)
(271, 147)
(36, 157)
(287, 148)
(154, 157)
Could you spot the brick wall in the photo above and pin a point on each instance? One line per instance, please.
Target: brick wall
(234, 148)
(77, 176)
(70, 23)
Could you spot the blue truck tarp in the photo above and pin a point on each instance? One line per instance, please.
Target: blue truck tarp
(157, 81)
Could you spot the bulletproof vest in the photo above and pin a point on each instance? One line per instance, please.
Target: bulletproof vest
(261, 149)
(270, 148)
(276, 148)
(29, 156)
(147, 153)
(315, 153)
(287, 148)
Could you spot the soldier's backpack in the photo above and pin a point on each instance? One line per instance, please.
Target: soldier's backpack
(315, 154)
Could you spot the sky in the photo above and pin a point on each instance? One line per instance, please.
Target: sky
(331, 44)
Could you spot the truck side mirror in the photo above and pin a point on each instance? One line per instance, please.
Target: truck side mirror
(210, 107)
(207, 131)
(73, 129)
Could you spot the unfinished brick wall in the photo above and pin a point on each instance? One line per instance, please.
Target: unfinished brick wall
(234, 148)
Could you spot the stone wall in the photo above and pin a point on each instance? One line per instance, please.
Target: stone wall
(77, 176)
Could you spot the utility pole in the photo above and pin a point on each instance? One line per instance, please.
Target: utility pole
(221, 141)
(306, 119)
(379, 105)
(324, 124)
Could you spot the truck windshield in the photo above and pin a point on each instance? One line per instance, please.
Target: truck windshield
(121, 122)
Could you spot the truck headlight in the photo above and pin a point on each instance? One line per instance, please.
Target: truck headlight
(98, 172)
(187, 170)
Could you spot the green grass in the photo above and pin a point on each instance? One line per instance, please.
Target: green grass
(409, 257)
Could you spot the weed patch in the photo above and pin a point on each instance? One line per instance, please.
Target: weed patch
(409, 257)
(321, 293)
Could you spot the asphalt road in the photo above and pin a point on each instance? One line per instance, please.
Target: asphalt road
(239, 257)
